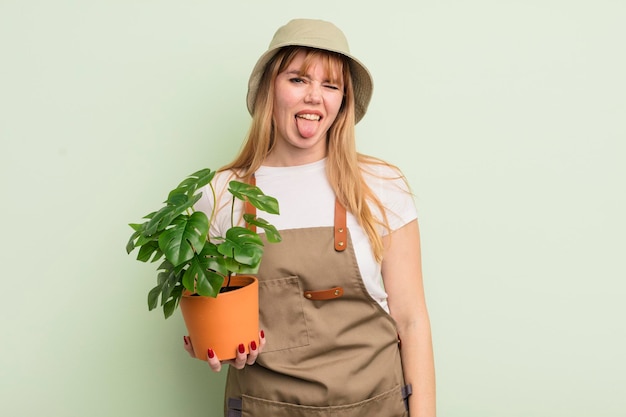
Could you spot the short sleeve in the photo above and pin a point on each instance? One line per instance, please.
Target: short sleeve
(391, 187)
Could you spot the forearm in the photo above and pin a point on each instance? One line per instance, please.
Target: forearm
(418, 366)
(402, 275)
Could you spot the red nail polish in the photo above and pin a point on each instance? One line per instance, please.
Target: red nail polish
(253, 345)
(210, 353)
(262, 334)
(242, 348)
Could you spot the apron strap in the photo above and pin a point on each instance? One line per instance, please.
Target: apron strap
(340, 227)
(341, 241)
(234, 407)
(407, 390)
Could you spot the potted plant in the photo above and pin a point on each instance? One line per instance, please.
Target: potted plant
(203, 274)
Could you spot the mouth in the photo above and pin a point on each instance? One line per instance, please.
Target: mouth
(309, 116)
(308, 123)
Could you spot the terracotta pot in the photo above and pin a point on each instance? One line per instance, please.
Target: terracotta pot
(224, 322)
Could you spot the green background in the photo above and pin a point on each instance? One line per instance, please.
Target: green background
(508, 118)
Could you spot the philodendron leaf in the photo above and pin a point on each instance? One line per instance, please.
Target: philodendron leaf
(271, 233)
(186, 237)
(242, 245)
(147, 251)
(167, 215)
(153, 297)
(170, 306)
(215, 261)
(194, 182)
(170, 281)
(130, 246)
(254, 195)
(201, 279)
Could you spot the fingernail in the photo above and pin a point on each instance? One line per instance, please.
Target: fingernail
(253, 345)
(185, 339)
(242, 348)
(210, 353)
(262, 334)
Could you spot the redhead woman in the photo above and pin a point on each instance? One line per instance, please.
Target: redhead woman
(345, 328)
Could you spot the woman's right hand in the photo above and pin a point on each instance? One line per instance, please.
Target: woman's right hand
(239, 362)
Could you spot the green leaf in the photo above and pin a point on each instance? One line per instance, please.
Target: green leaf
(161, 219)
(170, 280)
(186, 237)
(194, 182)
(146, 251)
(209, 284)
(176, 205)
(271, 233)
(177, 199)
(242, 245)
(130, 246)
(137, 226)
(254, 195)
(170, 307)
(153, 297)
(201, 279)
(214, 259)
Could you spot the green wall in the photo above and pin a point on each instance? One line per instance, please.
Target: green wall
(506, 116)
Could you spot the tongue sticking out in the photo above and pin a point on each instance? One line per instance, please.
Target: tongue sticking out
(307, 128)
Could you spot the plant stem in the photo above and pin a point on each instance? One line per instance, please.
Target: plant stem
(213, 210)
(232, 213)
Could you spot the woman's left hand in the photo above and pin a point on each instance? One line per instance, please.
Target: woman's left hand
(240, 361)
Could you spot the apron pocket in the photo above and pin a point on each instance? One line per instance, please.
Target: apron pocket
(281, 314)
(387, 404)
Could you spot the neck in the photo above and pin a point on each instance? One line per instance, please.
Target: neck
(283, 159)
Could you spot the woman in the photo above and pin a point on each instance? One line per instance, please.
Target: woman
(330, 343)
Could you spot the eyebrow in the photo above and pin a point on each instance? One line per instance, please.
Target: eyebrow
(299, 73)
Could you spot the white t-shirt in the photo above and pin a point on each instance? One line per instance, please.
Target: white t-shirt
(306, 199)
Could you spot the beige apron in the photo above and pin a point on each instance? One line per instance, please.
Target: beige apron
(331, 350)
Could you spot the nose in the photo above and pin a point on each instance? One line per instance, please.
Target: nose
(314, 94)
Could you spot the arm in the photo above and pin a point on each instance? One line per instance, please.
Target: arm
(402, 275)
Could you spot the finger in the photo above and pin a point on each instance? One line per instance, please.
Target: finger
(188, 346)
(254, 353)
(213, 360)
(261, 341)
(240, 359)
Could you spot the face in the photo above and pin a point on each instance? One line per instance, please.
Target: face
(305, 106)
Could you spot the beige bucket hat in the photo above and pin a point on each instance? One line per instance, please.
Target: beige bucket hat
(321, 35)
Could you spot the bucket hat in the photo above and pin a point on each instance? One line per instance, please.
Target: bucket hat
(317, 34)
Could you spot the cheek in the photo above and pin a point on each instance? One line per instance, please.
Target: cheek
(335, 104)
(283, 102)
(279, 108)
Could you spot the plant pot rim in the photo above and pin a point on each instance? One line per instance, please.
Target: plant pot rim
(244, 280)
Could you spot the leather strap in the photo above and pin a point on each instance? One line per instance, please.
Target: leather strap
(341, 240)
(329, 294)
